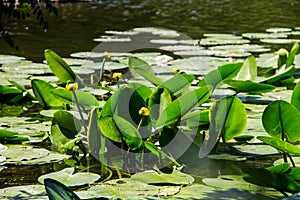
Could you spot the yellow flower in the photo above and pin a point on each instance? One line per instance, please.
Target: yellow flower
(72, 86)
(176, 70)
(144, 111)
(117, 76)
(104, 83)
(106, 54)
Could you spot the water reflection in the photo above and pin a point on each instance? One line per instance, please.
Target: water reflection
(78, 23)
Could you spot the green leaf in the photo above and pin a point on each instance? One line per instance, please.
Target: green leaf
(281, 74)
(42, 91)
(58, 191)
(197, 118)
(267, 178)
(225, 72)
(160, 178)
(61, 69)
(68, 124)
(295, 99)
(158, 101)
(18, 86)
(4, 90)
(281, 168)
(130, 134)
(294, 174)
(292, 54)
(280, 145)
(94, 134)
(85, 99)
(228, 119)
(249, 86)
(178, 83)
(183, 105)
(109, 129)
(69, 179)
(153, 149)
(248, 70)
(281, 117)
(7, 134)
(137, 65)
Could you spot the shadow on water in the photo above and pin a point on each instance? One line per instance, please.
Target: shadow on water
(78, 23)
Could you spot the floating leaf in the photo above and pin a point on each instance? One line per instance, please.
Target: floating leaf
(160, 178)
(24, 192)
(255, 149)
(227, 157)
(281, 117)
(69, 179)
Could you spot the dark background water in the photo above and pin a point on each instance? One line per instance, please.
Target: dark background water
(78, 23)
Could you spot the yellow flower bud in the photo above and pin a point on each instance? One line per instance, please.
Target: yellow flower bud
(117, 76)
(282, 52)
(144, 111)
(72, 86)
(176, 70)
(106, 54)
(104, 83)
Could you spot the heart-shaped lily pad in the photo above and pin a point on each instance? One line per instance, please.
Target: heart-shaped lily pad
(69, 179)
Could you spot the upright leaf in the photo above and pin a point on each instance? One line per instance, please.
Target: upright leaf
(281, 74)
(248, 70)
(130, 134)
(61, 69)
(178, 83)
(109, 129)
(281, 117)
(94, 134)
(225, 72)
(295, 99)
(137, 65)
(68, 123)
(58, 191)
(42, 91)
(158, 101)
(228, 119)
(183, 105)
(292, 54)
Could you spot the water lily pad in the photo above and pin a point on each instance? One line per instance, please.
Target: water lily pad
(86, 54)
(50, 158)
(3, 148)
(227, 157)
(221, 35)
(10, 58)
(120, 189)
(18, 154)
(69, 179)
(154, 177)
(222, 41)
(252, 48)
(80, 70)
(279, 41)
(24, 192)
(278, 30)
(255, 149)
(264, 35)
(112, 39)
(121, 32)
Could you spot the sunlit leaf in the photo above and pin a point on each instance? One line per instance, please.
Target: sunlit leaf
(281, 117)
(280, 145)
(58, 191)
(248, 70)
(249, 86)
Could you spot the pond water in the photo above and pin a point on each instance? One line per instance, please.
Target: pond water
(78, 23)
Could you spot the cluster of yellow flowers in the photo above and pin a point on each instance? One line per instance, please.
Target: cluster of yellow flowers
(72, 86)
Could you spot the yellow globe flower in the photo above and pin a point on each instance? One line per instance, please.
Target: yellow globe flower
(176, 70)
(144, 111)
(117, 76)
(72, 86)
(106, 54)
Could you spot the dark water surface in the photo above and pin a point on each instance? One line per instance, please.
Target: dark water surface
(78, 23)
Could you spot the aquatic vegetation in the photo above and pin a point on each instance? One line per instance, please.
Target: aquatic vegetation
(154, 121)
